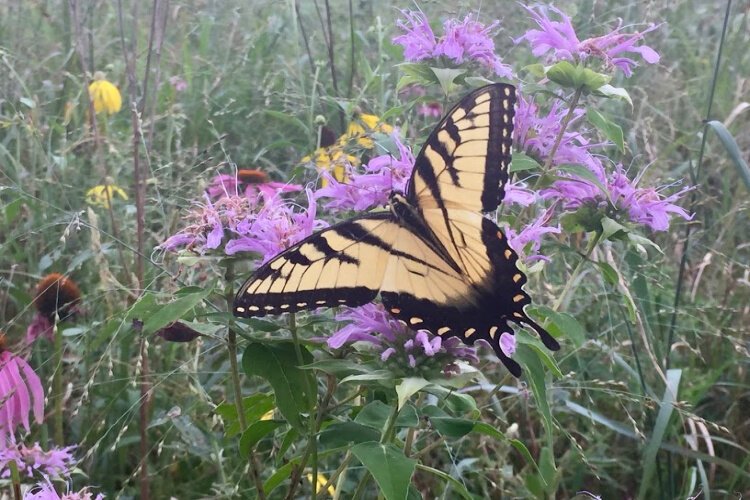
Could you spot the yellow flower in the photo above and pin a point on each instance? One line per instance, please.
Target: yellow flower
(101, 195)
(362, 127)
(104, 95)
(332, 159)
(322, 481)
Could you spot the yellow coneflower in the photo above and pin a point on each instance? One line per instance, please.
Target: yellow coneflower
(57, 295)
(104, 95)
(322, 481)
(102, 195)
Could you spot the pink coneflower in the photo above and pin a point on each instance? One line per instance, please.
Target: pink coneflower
(21, 393)
(56, 297)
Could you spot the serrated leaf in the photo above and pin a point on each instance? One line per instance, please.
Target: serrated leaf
(388, 465)
(408, 387)
(278, 364)
(611, 130)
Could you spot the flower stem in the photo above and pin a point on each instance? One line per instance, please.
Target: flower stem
(566, 121)
(57, 385)
(569, 284)
(235, 375)
(15, 479)
(312, 445)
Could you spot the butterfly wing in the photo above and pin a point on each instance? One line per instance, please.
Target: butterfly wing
(460, 172)
(347, 264)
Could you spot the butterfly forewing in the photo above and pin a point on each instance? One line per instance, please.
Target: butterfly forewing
(464, 162)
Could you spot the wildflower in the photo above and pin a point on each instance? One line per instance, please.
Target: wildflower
(536, 135)
(508, 343)
(33, 460)
(332, 160)
(266, 224)
(104, 95)
(57, 295)
(253, 180)
(471, 40)
(645, 206)
(21, 393)
(462, 41)
(46, 491)
(361, 129)
(178, 83)
(404, 350)
(382, 175)
(40, 326)
(430, 109)
(560, 40)
(322, 481)
(102, 195)
(418, 40)
(527, 241)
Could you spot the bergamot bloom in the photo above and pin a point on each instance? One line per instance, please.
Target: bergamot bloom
(102, 195)
(104, 95)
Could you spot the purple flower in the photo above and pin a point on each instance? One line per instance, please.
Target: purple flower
(462, 41)
(40, 326)
(645, 206)
(46, 491)
(559, 39)
(517, 193)
(254, 182)
(33, 460)
(178, 83)
(399, 345)
(536, 135)
(471, 40)
(430, 109)
(508, 343)
(531, 234)
(418, 40)
(361, 191)
(276, 227)
(21, 393)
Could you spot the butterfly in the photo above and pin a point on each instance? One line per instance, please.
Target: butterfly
(437, 262)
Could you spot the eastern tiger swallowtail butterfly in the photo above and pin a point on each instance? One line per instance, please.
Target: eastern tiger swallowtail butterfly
(437, 262)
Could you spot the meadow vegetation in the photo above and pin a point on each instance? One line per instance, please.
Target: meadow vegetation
(272, 110)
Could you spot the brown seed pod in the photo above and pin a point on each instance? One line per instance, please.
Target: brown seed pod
(59, 294)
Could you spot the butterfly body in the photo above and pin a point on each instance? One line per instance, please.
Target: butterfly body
(437, 262)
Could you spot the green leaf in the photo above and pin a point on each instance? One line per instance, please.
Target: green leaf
(585, 174)
(451, 426)
(278, 364)
(611, 92)
(612, 229)
(457, 485)
(611, 130)
(666, 408)
(408, 387)
(254, 406)
(523, 162)
(175, 310)
(255, 433)
(388, 465)
(576, 77)
(342, 433)
(563, 325)
(734, 151)
(447, 77)
(415, 73)
(535, 373)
